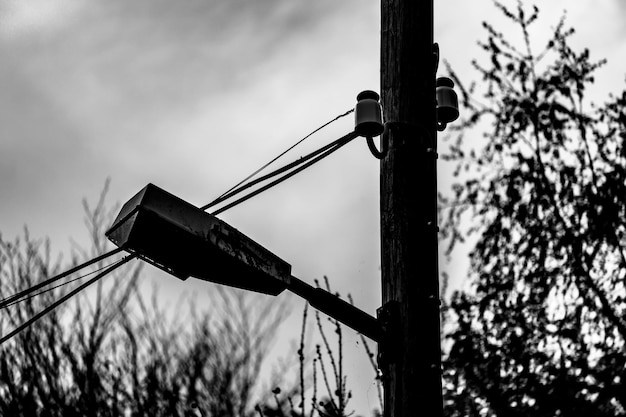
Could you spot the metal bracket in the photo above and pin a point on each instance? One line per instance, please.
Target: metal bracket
(388, 316)
(338, 309)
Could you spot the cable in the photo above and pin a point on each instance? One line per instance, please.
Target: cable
(338, 144)
(4, 302)
(53, 288)
(278, 171)
(312, 158)
(65, 298)
(287, 167)
(222, 197)
(378, 154)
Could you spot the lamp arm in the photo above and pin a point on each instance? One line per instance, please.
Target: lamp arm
(338, 309)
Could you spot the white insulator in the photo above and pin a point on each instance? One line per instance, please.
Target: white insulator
(368, 119)
(447, 101)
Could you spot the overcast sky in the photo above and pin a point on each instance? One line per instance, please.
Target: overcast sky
(194, 95)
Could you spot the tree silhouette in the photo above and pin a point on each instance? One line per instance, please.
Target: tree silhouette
(324, 390)
(116, 352)
(542, 330)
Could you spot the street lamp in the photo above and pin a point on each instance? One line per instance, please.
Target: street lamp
(185, 241)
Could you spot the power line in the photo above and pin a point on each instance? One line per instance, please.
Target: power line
(223, 196)
(53, 288)
(65, 298)
(312, 158)
(302, 163)
(337, 144)
(231, 193)
(4, 302)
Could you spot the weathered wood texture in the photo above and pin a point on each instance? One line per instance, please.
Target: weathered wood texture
(409, 208)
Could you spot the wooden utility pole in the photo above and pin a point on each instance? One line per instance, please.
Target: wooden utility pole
(411, 363)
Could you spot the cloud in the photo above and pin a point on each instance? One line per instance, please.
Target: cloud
(35, 17)
(141, 90)
(151, 58)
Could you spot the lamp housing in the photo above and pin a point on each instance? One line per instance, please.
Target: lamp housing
(185, 241)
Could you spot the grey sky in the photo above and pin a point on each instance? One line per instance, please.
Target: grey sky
(193, 95)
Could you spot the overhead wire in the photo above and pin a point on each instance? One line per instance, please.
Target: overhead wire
(336, 146)
(65, 298)
(55, 278)
(337, 143)
(221, 197)
(52, 288)
(296, 167)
